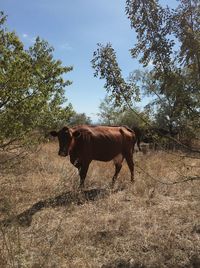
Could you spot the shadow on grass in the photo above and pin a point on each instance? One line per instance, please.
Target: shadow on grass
(64, 199)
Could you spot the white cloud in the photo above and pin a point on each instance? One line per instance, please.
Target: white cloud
(28, 38)
(65, 46)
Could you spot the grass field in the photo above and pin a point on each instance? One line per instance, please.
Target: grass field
(47, 222)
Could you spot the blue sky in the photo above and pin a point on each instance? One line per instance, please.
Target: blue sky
(73, 28)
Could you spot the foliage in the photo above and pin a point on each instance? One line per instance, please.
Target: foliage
(108, 113)
(79, 119)
(112, 115)
(31, 88)
(186, 28)
(105, 64)
(174, 77)
(168, 41)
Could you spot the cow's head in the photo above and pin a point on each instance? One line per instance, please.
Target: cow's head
(65, 138)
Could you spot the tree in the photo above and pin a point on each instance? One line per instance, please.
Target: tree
(79, 119)
(175, 73)
(112, 115)
(108, 112)
(31, 89)
(163, 39)
(105, 64)
(186, 28)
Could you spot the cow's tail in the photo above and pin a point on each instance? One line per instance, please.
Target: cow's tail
(138, 142)
(138, 135)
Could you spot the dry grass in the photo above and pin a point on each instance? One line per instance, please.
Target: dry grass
(147, 224)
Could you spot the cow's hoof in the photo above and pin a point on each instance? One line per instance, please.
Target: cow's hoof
(81, 188)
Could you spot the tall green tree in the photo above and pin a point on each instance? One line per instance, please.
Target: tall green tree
(32, 88)
(80, 119)
(110, 114)
(186, 28)
(169, 41)
(106, 67)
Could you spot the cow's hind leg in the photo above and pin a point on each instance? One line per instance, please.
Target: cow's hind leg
(129, 160)
(118, 165)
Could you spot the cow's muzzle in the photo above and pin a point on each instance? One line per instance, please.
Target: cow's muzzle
(76, 163)
(61, 153)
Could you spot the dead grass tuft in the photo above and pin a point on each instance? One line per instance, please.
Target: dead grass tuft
(148, 224)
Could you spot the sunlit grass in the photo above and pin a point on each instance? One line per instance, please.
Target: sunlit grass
(148, 223)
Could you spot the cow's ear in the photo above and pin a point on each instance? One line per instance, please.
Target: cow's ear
(66, 129)
(77, 134)
(54, 133)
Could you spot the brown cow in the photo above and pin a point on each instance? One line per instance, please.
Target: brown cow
(103, 143)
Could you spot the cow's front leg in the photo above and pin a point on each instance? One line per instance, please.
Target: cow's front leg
(83, 172)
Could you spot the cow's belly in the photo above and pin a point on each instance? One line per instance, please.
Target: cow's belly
(106, 154)
(103, 158)
(100, 150)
